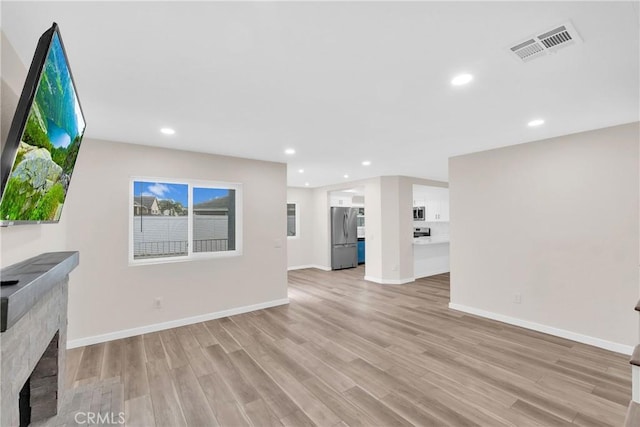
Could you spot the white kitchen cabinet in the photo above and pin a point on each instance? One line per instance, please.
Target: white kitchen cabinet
(341, 201)
(435, 200)
(444, 210)
(431, 209)
(442, 214)
(437, 210)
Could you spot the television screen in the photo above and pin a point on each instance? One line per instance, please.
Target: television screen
(43, 142)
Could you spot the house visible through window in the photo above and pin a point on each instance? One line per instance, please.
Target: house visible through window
(292, 218)
(160, 219)
(181, 220)
(214, 219)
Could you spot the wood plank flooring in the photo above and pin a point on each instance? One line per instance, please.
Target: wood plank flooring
(350, 352)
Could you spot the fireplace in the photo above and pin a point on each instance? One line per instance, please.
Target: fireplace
(38, 398)
(33, 340)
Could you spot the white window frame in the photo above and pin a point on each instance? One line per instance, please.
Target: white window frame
(297, 236)
(191, 256)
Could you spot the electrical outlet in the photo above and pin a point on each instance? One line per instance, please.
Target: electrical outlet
(157, 303)
(517, 298)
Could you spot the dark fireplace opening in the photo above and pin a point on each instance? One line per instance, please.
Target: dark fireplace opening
(25, 404)
(38, 398)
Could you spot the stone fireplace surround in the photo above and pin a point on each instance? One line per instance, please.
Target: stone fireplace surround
(34, 334)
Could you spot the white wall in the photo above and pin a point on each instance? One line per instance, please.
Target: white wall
(395, 232)
(107, 295)
(405, 228)
(555, 221)
(373, 227)
(300, 248)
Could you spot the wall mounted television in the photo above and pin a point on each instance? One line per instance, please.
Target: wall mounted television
(42, 145)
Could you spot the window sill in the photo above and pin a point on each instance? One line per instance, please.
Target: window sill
(193, 257)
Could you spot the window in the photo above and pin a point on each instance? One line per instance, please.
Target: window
(179, 221)
(214, 219)
(292, 220)
(160, 220)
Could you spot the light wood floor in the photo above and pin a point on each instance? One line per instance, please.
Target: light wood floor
(350, 352)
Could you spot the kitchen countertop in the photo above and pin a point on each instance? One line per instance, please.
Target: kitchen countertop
(434, 240)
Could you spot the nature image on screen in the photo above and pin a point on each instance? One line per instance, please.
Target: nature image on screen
(39, 179)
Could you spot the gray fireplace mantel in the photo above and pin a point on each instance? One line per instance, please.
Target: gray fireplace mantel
(36, 276)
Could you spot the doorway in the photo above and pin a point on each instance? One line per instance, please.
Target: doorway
(353, 200)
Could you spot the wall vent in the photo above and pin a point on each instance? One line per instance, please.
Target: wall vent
(547, 42)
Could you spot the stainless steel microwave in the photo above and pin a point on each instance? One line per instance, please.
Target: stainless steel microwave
(418, 213)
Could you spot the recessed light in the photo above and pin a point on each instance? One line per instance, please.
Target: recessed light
(346, 175)
(167, 131)
(366, 163)
(461, 79)
(536, 122)
(289, 151)
(300, 170)
(306, 184)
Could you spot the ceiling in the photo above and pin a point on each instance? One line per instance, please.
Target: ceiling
(340, 82)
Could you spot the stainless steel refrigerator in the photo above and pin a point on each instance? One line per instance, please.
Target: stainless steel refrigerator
(344, 238)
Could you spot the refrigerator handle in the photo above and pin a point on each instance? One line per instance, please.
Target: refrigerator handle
(344, 225)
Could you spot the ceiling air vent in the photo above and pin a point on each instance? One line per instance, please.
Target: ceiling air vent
(527, 50)
(547, 42)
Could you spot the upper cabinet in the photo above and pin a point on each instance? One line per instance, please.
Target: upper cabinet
(437, 210)
(340, 201)
(444, 210)
(435, 200)
(346, 199)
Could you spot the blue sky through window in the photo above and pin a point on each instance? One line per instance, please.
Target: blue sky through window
(205, 194)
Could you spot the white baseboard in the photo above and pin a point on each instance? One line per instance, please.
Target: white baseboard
(300, 267)
(125, 333)
(389, 281)
(432, 273)
(562, 333)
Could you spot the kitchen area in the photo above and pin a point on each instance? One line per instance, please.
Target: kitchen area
(371, 227)
(430, 230)
(347, 228)
(430, 227)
